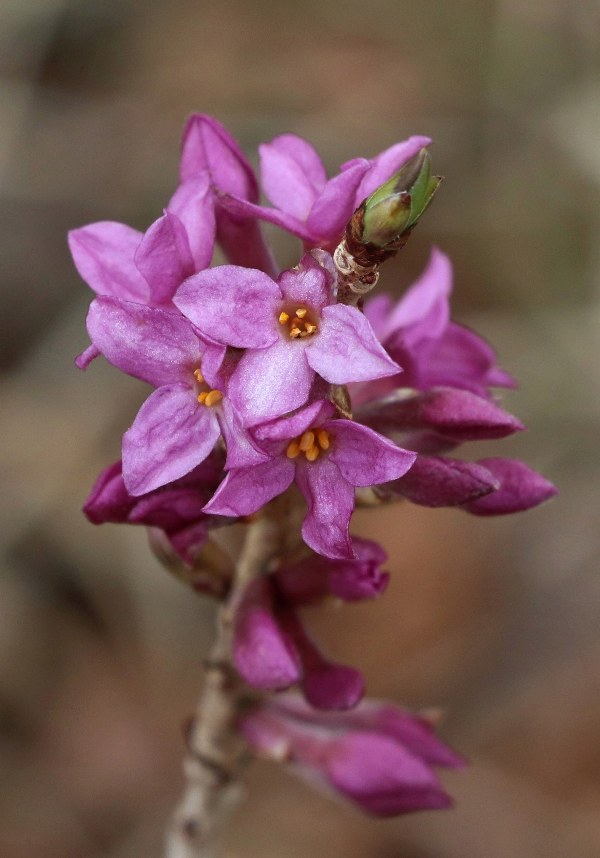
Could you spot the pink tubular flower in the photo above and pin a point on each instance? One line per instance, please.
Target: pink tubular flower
(327, 458)
(180, 423)
(378, 756)
(292, 329)
(305, 202)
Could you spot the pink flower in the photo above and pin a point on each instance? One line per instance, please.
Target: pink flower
(305, 202)
(291, 329)
(377, 756)
(180, 423)
(327, 458)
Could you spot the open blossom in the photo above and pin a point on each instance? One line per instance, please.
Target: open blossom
(291, 329)
(327, 458)
(179, 424)
(378, 756)
(305, 202)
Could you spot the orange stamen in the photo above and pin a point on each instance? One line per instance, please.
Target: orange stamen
(293, 450)
(312, 453)
(213, 397)
(323, 439)
(307, 440)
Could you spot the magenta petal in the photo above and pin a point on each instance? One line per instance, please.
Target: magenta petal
(171, 434)
(103, 254)
(164, 258)
(242, 208)
(304, 156)
(241, 450)
(346, 349)
(232, 305)
(109, 500)
(388, 162)
(310, 284)
(193, 203)
(151, 344)
(424, 311)
(333, 209)
(364, 457)
(207, 146)
(283, 176)
(245, 490)
(263, 653)
(330, 501)
(436, 481)
(270, 382)
(520, 488)
(381, 776)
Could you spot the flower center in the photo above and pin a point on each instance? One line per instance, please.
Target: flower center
(311, 443)
(299, 323)
(207, 397)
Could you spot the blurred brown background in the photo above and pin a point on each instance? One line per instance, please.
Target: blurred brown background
(497, 620)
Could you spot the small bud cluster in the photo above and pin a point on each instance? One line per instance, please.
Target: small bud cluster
(249, 366)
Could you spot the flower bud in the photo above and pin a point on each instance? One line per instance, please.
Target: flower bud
(395, 207)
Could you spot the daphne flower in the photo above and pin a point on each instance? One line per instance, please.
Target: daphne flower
(378, 756)
(326, 458)
(179, 424)
(306, 203)
(292, 329)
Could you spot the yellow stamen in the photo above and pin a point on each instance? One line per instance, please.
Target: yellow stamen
(323, 439)
(312, 453)
(295, 333)
(198, 375)
(307, 440)
(213, 397)
(283, 318)
(310, 329)
(202, 396)
(301, 313)
(293, 450)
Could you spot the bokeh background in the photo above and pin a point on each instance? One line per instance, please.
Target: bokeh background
(496, 620)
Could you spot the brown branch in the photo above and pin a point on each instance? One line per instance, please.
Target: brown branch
(216, 751)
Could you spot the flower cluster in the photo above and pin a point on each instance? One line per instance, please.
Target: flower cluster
(265, 380)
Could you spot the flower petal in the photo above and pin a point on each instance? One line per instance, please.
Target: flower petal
(109, 500)
(270, 382)
(171, 434)
(365, 458)
(193, 203)
(232, 305)
(242, 208)
(287, 183)
(333, 209)
(103, 254)
(264, 654)
(164, 258)
(330, 501)
(346, 349)
(286, 428)
(207, 146)
(520, 488)
(244, 490)
(310, 284)
(241, 451)
(154, 345)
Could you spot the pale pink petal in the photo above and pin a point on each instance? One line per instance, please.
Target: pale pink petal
(154, 345)
(245, 490)
(284, 178)
(232, 305)
(334, 207)
(346, 349)
(363, 457)
(311, 283)
(164, 258)
(290, 427)
(171, 434)
(270, 382)
(330, 501)
(193, 203)
(103, 254)
(242, 208)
